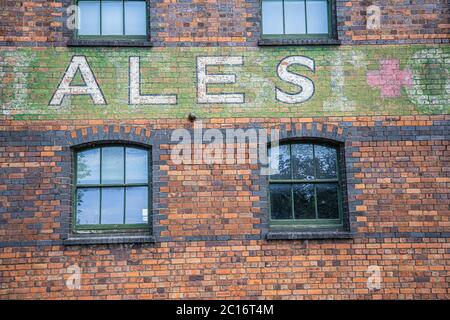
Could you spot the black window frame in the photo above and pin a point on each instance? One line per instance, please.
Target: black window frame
(77, 228)
(316, 223)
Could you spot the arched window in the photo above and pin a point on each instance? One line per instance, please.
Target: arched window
(305, 184)
(112, 187)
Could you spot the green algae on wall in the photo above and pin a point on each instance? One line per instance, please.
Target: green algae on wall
(348, 80)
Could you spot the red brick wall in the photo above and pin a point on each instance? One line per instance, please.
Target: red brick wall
(210, 239)
(235, 269)
(211, 220)
(36, 22)
(401, 20)
(225, 22)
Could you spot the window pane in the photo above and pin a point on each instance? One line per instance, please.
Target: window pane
(280, 201)
(112, 205)
(317, 16)
(136, 165)
(88, 206)
(294, 12)
(88, 166)
(89, 18)
(326, 161)
(280, 167)
(302, 161)
(136, 205)
(112, 18)
(304, 201)
(112, 165)
(135, 18)
(327, 201)
(272, 16)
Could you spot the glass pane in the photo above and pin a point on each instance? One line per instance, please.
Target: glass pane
(304, 201)
(317, 16)
(327, 201)
(88, 206)
(294, 13)
(280, 201)
(112, 205)
(280, 167)
(112, 165)
(88, 166)
(89, 18)
(112, 18)
(136, 205)
(326, 161)
(302, 161)
(135, 18)
(272, 17)
(136, 165)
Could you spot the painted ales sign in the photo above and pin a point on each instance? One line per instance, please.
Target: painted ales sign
(204, 78)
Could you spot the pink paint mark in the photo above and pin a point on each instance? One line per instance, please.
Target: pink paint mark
(390, 79)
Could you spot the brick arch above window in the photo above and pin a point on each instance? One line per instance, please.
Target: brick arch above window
(109, 133)
(325, 131)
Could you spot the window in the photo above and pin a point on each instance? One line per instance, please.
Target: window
(296, 19)
(112, 187)
(304, 185)
(112, 19)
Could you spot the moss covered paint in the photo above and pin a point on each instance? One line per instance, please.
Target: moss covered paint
(29, 78)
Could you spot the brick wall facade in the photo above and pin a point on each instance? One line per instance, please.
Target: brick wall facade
(225, 22)
(210, 234)
(209, 237)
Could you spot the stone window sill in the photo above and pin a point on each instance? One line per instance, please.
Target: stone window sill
(108, 43)
(293, 234)
(295, 42)
(107, 239)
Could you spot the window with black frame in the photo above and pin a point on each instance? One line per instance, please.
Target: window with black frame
(112, 187)
(305, 185)
(112, 19)
(296, 19)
